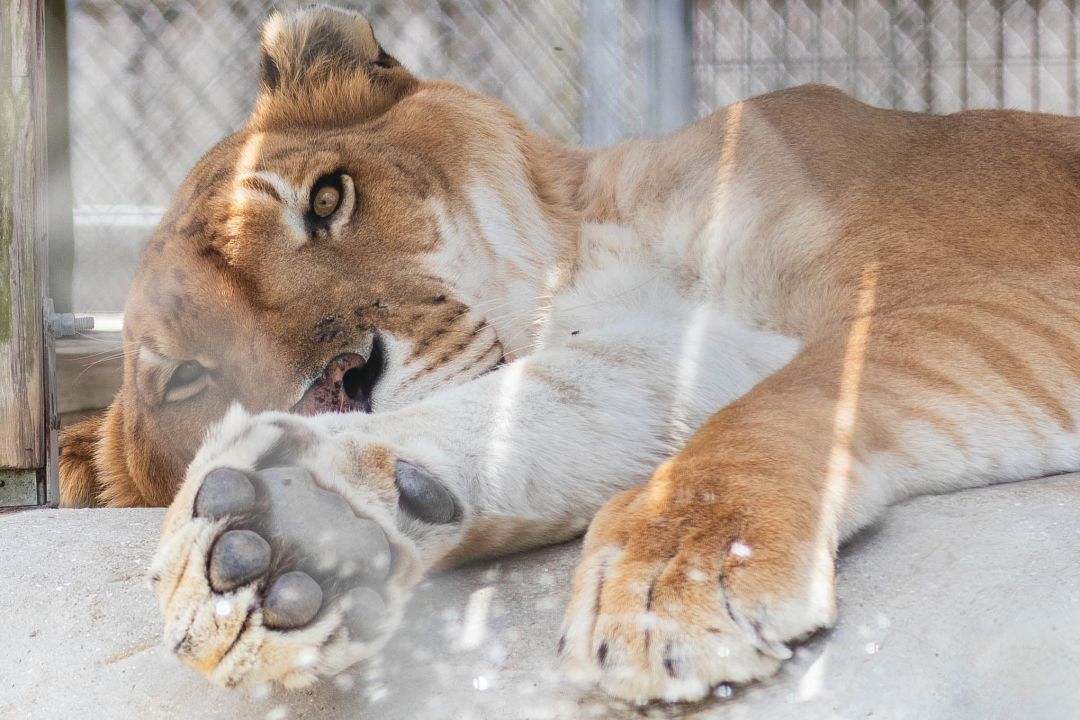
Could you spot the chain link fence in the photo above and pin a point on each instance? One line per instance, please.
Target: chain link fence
(154, 84)
(933, 55)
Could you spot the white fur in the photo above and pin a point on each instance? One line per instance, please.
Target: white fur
(637, 370)
(615, 362)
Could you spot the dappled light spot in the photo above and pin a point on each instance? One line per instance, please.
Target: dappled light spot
(838, 475)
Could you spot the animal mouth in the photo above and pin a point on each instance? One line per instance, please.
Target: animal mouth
(346, 383)
(501, 362)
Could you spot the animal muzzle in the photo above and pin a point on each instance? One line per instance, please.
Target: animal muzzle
(346, 384)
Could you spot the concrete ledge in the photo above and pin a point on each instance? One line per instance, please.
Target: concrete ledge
(958, 606)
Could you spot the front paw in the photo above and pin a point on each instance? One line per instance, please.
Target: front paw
(289, 553)
(672, 598)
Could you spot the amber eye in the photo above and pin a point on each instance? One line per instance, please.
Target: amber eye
(326, 201)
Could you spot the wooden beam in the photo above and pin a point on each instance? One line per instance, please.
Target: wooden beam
(23, 248)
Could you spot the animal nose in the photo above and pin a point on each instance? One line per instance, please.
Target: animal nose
(338, 389)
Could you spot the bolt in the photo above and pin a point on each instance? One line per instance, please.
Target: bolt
(69, 324)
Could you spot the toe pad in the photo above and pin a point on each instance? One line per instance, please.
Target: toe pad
(292, 601)
(224, 492)
(238, 557)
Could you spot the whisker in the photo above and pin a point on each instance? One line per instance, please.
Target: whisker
(94, 337)
(89, 366)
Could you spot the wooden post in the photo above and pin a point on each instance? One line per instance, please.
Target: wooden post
(23, 253)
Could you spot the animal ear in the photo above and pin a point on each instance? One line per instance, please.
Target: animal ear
(78, 472)
(323, 67)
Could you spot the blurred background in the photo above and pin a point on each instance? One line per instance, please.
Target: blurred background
(140, 89)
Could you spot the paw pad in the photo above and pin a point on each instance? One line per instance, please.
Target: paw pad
(224, 492)
(292, 601)
(238, 557)
(423, 497)
(364, 609)
(325, 548)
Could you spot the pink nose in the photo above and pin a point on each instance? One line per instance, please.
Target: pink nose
(332, 392)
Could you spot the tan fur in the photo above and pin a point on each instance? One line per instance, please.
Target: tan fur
(953, 202)
(77, 463)
(929, 265)
(966, 228)
(213, 264)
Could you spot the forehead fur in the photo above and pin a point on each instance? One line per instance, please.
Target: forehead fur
(326, 86)
(182, 260)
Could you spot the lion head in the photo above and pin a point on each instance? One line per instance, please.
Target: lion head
(365, 239)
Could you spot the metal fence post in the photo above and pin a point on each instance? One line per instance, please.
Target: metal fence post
(59, 202)
(603, 71)
(669, 82)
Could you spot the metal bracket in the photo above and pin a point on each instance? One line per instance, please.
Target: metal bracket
(57, 325)
(19, 488)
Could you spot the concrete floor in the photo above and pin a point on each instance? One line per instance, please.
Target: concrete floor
(964, 606)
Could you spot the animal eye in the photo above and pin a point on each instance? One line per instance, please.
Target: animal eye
(187, 380)
(186, 373)
(327, 199)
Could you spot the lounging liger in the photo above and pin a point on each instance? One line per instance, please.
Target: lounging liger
(385, 328)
